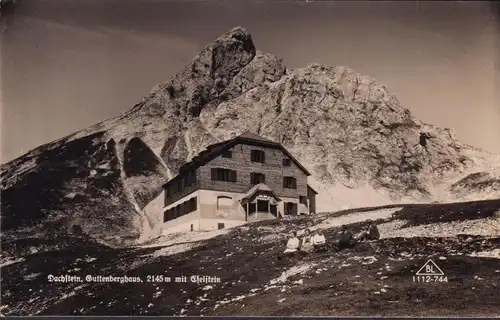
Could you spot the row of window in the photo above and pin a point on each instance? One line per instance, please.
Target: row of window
(176, 187)
(180, 210)
(290, 208)
(228, 175)
(257, 156)
(262, 206)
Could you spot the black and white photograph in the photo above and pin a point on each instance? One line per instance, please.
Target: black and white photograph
(269, 158)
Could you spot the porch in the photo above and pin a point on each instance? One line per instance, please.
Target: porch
(260, 203)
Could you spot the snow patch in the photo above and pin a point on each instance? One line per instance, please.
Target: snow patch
(356, 217)
(299, 269)
(495, 253)
(10, 261)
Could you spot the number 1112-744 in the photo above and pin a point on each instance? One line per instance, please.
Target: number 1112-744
(427, 279)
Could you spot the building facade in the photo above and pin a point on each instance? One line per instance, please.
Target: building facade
(247, 178)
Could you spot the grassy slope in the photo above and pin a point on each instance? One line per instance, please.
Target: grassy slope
(246, 259)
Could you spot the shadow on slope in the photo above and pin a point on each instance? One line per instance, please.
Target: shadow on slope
(77, 183)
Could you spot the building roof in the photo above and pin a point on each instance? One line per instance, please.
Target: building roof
(314, 191)
(256, 188)
(252, 136)
(215, 149)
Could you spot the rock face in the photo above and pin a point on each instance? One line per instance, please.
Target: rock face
(346, 128)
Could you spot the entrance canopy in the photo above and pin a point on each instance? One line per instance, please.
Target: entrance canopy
(260, 192)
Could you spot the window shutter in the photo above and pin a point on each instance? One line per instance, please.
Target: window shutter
(233, 176)
(252, 179)
(214, 173)
(294, 181)
(284, 182)
(263, 156)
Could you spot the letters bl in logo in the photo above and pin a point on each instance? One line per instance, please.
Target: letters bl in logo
(430, 269)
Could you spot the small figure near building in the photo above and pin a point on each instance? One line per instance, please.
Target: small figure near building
(293, 243)
(346, 238)
(373, 233)
(370, 233)
(319, 241)
(306, 245)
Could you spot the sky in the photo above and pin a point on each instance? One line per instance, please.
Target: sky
(67, 64)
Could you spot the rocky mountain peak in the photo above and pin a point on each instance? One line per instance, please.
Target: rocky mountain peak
(210, 72)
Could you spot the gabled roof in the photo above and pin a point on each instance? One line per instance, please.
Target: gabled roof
(256, 188)
(314, 191)
(215, 149)
(252, 136)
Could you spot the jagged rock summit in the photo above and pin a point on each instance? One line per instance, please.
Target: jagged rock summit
(360, 144)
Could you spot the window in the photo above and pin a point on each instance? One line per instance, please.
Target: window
(256, 178)
(189, 179)
(219, 174)
(303, 200)
(286, 162)
(224, 202)
(227, 154)
(273, 209)
(252, 207)
(220, 226)
(258, 156)
(290, 208)
(168, 215)
(289, 183)
(167, 196)
(192, 204)
(177, 187)
(192, 227)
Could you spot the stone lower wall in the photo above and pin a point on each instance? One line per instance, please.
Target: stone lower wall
(214, 207)
(221, 205)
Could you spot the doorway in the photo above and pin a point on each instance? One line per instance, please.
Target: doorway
(290, 208)
(262, 205)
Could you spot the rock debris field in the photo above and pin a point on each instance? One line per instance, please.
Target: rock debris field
(375, 278)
